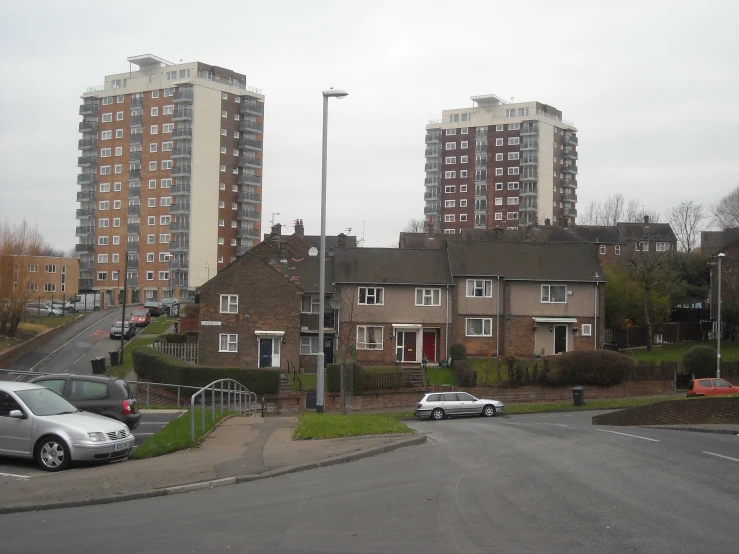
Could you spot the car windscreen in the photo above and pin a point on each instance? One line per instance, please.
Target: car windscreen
(43, 402)
(140, 313)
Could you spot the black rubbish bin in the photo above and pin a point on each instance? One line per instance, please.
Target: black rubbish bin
(114, 357)
(98, 365)
(578, 396)
(311, 400)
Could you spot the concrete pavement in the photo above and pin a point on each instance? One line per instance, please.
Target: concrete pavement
(240, 449)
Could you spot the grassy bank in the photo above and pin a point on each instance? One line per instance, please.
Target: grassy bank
(676, 352)
(159, 326)
(176, 435)
(33, 326)
(136, 343)
(331, 426)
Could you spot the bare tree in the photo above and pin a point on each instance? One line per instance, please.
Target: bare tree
(415, 225)
(615, 209)
(726, 211)
(612, 210)
(589, 216)
(685, 220)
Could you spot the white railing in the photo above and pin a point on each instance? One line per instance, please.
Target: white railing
(234, 396)
(187, 351)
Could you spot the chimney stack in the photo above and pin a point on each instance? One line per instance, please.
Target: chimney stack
(646, 220)
(276, 230)
(299, 228)
(342, 240)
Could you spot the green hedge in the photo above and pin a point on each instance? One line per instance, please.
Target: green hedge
(589, 367)
(700, 361)
(333, 378)
(175, 338)
(162, 368)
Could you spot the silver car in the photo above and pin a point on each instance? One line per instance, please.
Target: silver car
(37, 423)
(44, 309)
(438, 405)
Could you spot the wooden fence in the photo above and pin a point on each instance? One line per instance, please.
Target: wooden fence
(187, 351)
(670, 333)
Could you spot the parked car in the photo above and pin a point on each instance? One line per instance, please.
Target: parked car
(105, 396)
(43, 309)
(438, 405)
(37, 423)
(86, 302)
(65, 306)
(171, 306)
(154, 307)
(140, 318)
(711, 387)
(115, 329)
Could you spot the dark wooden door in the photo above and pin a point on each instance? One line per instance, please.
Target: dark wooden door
(409, 346)
(265, 352)
(429, 345)
(560, 338)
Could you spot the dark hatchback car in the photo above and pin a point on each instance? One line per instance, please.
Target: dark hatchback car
(154, 307)
(107, 396)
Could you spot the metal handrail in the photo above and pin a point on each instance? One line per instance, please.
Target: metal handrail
(295, 374)
(236, 395)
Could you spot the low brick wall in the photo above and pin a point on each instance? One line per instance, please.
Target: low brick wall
(284, 403)
(672, 412)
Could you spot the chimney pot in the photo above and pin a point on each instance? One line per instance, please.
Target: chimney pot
(299, 228)
(342, 240)
(646, 219)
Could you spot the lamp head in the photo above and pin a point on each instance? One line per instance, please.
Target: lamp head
(721, 255)
(335, 93)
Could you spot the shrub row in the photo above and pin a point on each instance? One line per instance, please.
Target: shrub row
(367, 379)
(175, 338)
(163, 368)
(700, 361)
(465, 375)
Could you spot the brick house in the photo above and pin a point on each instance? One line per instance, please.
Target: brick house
(726, 242)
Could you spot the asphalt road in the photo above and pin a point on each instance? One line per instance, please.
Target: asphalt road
(12, 469)
(72, 350)
(550, 484)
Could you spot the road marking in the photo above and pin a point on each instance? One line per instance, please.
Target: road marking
(554, 424)
(143, 434)
(14, 475)
(627, 435)
(720, 456)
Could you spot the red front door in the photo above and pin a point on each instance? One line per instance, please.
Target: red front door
(429, 345)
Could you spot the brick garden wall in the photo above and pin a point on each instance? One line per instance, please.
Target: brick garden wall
(704, 410)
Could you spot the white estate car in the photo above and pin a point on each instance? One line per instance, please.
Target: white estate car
(438, 405)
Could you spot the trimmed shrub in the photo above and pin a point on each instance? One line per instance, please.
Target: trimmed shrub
(589, 367)
(175, 338)
(333, 378)
(458, 352)
(465, 375)
(163, 368)
(700, 361)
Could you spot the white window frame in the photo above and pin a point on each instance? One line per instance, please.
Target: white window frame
(228, 342)
(479, 288)
(229, 303)
(546, 294)
(487, 327)
(363, 344)
(602, 249)
(375, 294)
(428, 297)
(586, 330)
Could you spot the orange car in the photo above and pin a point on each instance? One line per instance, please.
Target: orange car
(711, 387)
(141, 318)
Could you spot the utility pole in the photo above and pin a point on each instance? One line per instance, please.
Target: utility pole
(123, 316)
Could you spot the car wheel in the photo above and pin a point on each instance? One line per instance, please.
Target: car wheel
(52, 454)
(437, 414)
(488, 411)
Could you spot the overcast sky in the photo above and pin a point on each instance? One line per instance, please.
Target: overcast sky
(651, 86)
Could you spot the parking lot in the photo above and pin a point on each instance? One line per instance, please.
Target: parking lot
(151, 422)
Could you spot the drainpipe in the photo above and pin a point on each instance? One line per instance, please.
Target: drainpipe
(446, 334)
(595, 311)
(497, 321)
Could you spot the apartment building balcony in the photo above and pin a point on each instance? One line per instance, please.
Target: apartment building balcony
(179, 227)
(134, 157)
(181, 170)
(481, 162)
(432, 180)
(570, 154)
(432, 166)
(528, 208)
(248, 197)
(179, 190)
(431, 195)
(182, 114)
(529, 129)
(183, 95)
(249, 179)
(571, 139)
(246, 233)
(249, 125)
(481, 221)
(134, 209)
(250, 161)
(179, 134)
(87, 144)
(85, 196)
(134, 174)
(86, 161)
(529, 145)
(87, 247)
(248, 215)
(180, 208)
(134, 190)
(133, 262)
(481, 148)
(132, 229)
(86, 178)
(179, 263)
(85, 213)
(432, 152)
(85, 231)
(251, 107)
(532, 176)
(530, 160)
(528, 191)
(137, 102)
(431, 210)
(309, 322)
(86, 266)
(242, 249)
(571, 169)
(88, 126)
(571, 183)
(136, 120)
(89, 108)
(132, 246)
(250, 144)
(570, 197)
(181, 152)
(179, 246)
(85, 284)
(136, 138)
(432, 139)
(570, 212)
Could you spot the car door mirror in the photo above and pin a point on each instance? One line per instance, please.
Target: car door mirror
(17, 414)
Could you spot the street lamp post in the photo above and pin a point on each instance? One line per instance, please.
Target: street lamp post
(320, 359)
(720, 257)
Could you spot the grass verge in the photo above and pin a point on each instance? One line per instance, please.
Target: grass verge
(33, 326)
(176, 435)
(331, 426)
(676, 352)
(158, 327)
(305, 381)
(440, 376)
(121, 369)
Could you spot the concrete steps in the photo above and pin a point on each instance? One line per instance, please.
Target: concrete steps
(285, 383)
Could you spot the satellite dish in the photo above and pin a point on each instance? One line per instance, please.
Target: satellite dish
(313, 251)
(335, 302)
(330, 252)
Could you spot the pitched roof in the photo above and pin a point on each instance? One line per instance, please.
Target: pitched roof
(526, 260)
(304, 272)
(648, 231)
(392, 266)
(598, 234)
(332, 241)
(533, 233)
(713, 241)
